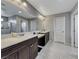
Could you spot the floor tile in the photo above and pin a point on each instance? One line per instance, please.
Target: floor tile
(55, 50)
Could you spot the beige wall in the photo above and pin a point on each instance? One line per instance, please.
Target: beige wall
(46, 24)
(49, 26)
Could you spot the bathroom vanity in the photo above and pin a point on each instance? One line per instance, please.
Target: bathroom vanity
(19, 47)
(22, 46)
(43, 40)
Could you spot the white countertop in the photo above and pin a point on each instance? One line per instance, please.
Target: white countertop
(40, 35)
(9, 41)
(41, 31)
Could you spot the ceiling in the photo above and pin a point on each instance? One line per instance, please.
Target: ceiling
(49, 7)
(9, 8)
(45, 7)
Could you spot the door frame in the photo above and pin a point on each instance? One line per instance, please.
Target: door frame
(72, 27)
(55, 26)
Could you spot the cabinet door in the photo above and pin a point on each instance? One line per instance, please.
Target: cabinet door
(46, 37)
(24, 53)
(12, 56)
(33, 51)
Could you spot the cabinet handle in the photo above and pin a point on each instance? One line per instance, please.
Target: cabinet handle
(31, 45)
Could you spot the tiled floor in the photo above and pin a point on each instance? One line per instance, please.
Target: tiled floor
(57, 51)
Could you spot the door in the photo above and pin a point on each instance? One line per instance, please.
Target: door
(59, 29)
(76, 31)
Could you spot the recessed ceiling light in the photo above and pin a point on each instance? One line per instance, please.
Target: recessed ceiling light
(19, 11)
(24, 4)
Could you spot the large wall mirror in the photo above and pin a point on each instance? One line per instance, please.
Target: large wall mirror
(5, 28)
(8, 25)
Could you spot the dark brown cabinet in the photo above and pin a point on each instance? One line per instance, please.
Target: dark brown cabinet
(29, 52)
(24, 53)
(46, 37)
(33, 50)
(43, 40)
(27, 49)
(24, 50)
(12, 56)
